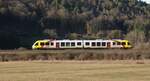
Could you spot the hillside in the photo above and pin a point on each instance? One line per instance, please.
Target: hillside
(24, 21)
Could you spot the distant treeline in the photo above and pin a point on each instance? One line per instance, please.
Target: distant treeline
(24, 21)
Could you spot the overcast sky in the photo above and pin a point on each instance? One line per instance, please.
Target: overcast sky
(148, 1)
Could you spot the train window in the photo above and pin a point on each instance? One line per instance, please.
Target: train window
(93, 44)
(98, 43)
(42, 43)
(103, 43)
(47, 43)
(129, 43)
(73, 44)
(36, 44)
(62, 44)
(114, 43)
(87, 43)
(79, 43)
(118, 43)
(123, 43)
(52, 43)
(67, 43)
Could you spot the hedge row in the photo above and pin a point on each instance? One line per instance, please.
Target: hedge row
(99, 55)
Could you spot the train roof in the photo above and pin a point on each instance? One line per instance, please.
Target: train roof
(83, 40)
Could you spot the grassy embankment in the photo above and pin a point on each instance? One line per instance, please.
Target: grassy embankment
(82, 54)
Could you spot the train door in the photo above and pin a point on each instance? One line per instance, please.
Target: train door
(108, 45)
(57, 45)
(42, 44)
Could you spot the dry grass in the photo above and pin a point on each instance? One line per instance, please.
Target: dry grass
(75, 71)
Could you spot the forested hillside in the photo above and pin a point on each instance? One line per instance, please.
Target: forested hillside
(24, 21)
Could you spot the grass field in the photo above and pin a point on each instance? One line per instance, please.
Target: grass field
(75, 71)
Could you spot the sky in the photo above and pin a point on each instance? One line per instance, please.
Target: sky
(148, 1)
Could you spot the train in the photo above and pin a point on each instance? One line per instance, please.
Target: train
(82, 44)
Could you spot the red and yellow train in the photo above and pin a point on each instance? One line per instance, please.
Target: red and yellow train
(74, 44)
